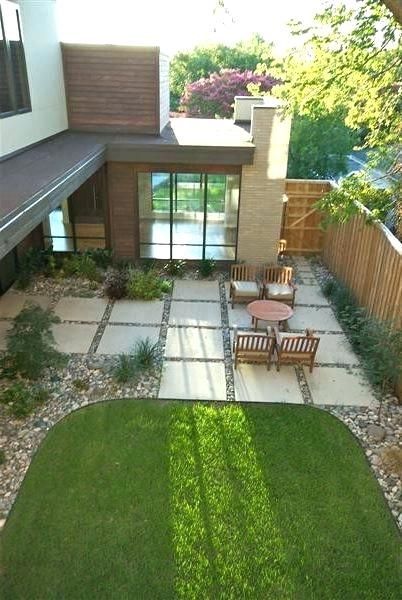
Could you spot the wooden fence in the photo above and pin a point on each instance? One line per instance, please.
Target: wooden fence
(368, 259)
(301, 220)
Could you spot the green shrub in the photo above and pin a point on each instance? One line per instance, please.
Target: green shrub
(145, 354)
(115, 283)
(101, 257)
(80, 385)
(166, 286)
(2, 457)
(148, 264)
(126, 368)
(81, 265)
(329, 286)
(145, 286)
(142, 358)
(378, 344)
(32, 262)
(175, 268)
(207, 267)
(21, 399)
(30, 344)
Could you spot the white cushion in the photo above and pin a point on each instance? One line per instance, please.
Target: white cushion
(279, 290)
(246, 288)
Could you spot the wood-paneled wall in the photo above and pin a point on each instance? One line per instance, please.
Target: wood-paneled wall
(368, 259)
(112, 88)
(301, 221)
(123, 210)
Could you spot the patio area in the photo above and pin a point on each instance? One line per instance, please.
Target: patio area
(194, 328)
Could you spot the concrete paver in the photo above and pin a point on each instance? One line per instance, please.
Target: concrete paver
(317, 318)
(193, 381)
(310, 294)
(188, 289)
(198, 314)
(254, 383)
(194, 342)
(73, 337)
(11, 303)
(71, 308)
(335, 349)
(137, 311)
(339, 386)
(118, 339)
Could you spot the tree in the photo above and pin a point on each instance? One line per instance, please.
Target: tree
(187, 67)
(319, 147)
(352, 62)
(214, 96)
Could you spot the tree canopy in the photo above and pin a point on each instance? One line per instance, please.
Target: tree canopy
(202, 61)
(214, 96)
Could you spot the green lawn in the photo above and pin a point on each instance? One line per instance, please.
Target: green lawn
(144, 499)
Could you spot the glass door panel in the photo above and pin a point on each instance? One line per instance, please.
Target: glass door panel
(188, 215)
(221, 216)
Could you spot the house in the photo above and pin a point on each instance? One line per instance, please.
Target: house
(90, 158)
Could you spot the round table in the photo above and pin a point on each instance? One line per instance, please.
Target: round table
(268, 310)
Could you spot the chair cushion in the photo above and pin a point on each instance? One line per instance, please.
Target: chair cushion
(246, 288)
(279, 290)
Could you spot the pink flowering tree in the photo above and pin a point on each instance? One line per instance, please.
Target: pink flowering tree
(214, 96)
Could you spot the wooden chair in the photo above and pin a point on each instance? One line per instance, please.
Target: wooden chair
(278, 284)
(293, 348)
(253, 347)
(244, 286)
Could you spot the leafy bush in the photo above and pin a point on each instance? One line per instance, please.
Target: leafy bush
(21, 399)
(32, 262)
(143, 358)
(175, 268)
(145, 286)
(81, 385)
(148, 264)
(145, 354)
(81, 265)
(101, 256)
(166, 286)
(207, 267)
(378, 344)
(2, 457)
(115, 283)
(30, 344)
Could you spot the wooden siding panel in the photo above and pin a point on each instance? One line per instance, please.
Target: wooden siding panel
(112, 88)
(123, 210)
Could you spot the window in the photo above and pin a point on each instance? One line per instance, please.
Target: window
(14, 89)
(188, 215)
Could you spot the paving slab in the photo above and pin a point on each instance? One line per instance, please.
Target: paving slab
(339, 386)
(239, 317)
(11, 303)
(194, 342)
(5, 326)
(193, 381)
(254, 383)
(73, 337)
(137, 311)
(71, 308)
(310, 294)
(118, 339)
(335, 349)
(188, 289)
(200, 314)
(317, 318)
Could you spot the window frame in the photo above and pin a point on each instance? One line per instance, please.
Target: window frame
(8, 66)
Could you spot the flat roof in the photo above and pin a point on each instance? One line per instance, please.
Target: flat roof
(35, 181)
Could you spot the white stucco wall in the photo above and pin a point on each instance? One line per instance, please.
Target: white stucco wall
(45, 75)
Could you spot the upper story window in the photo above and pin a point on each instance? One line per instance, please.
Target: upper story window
(14, 89)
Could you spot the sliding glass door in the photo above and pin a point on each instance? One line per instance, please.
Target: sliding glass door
(188, 216)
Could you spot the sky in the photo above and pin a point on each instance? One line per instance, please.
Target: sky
(181, 24)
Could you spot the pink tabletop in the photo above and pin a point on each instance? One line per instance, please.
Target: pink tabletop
(269, 310)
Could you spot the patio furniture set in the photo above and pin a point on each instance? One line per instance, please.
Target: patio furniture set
(270, 298)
